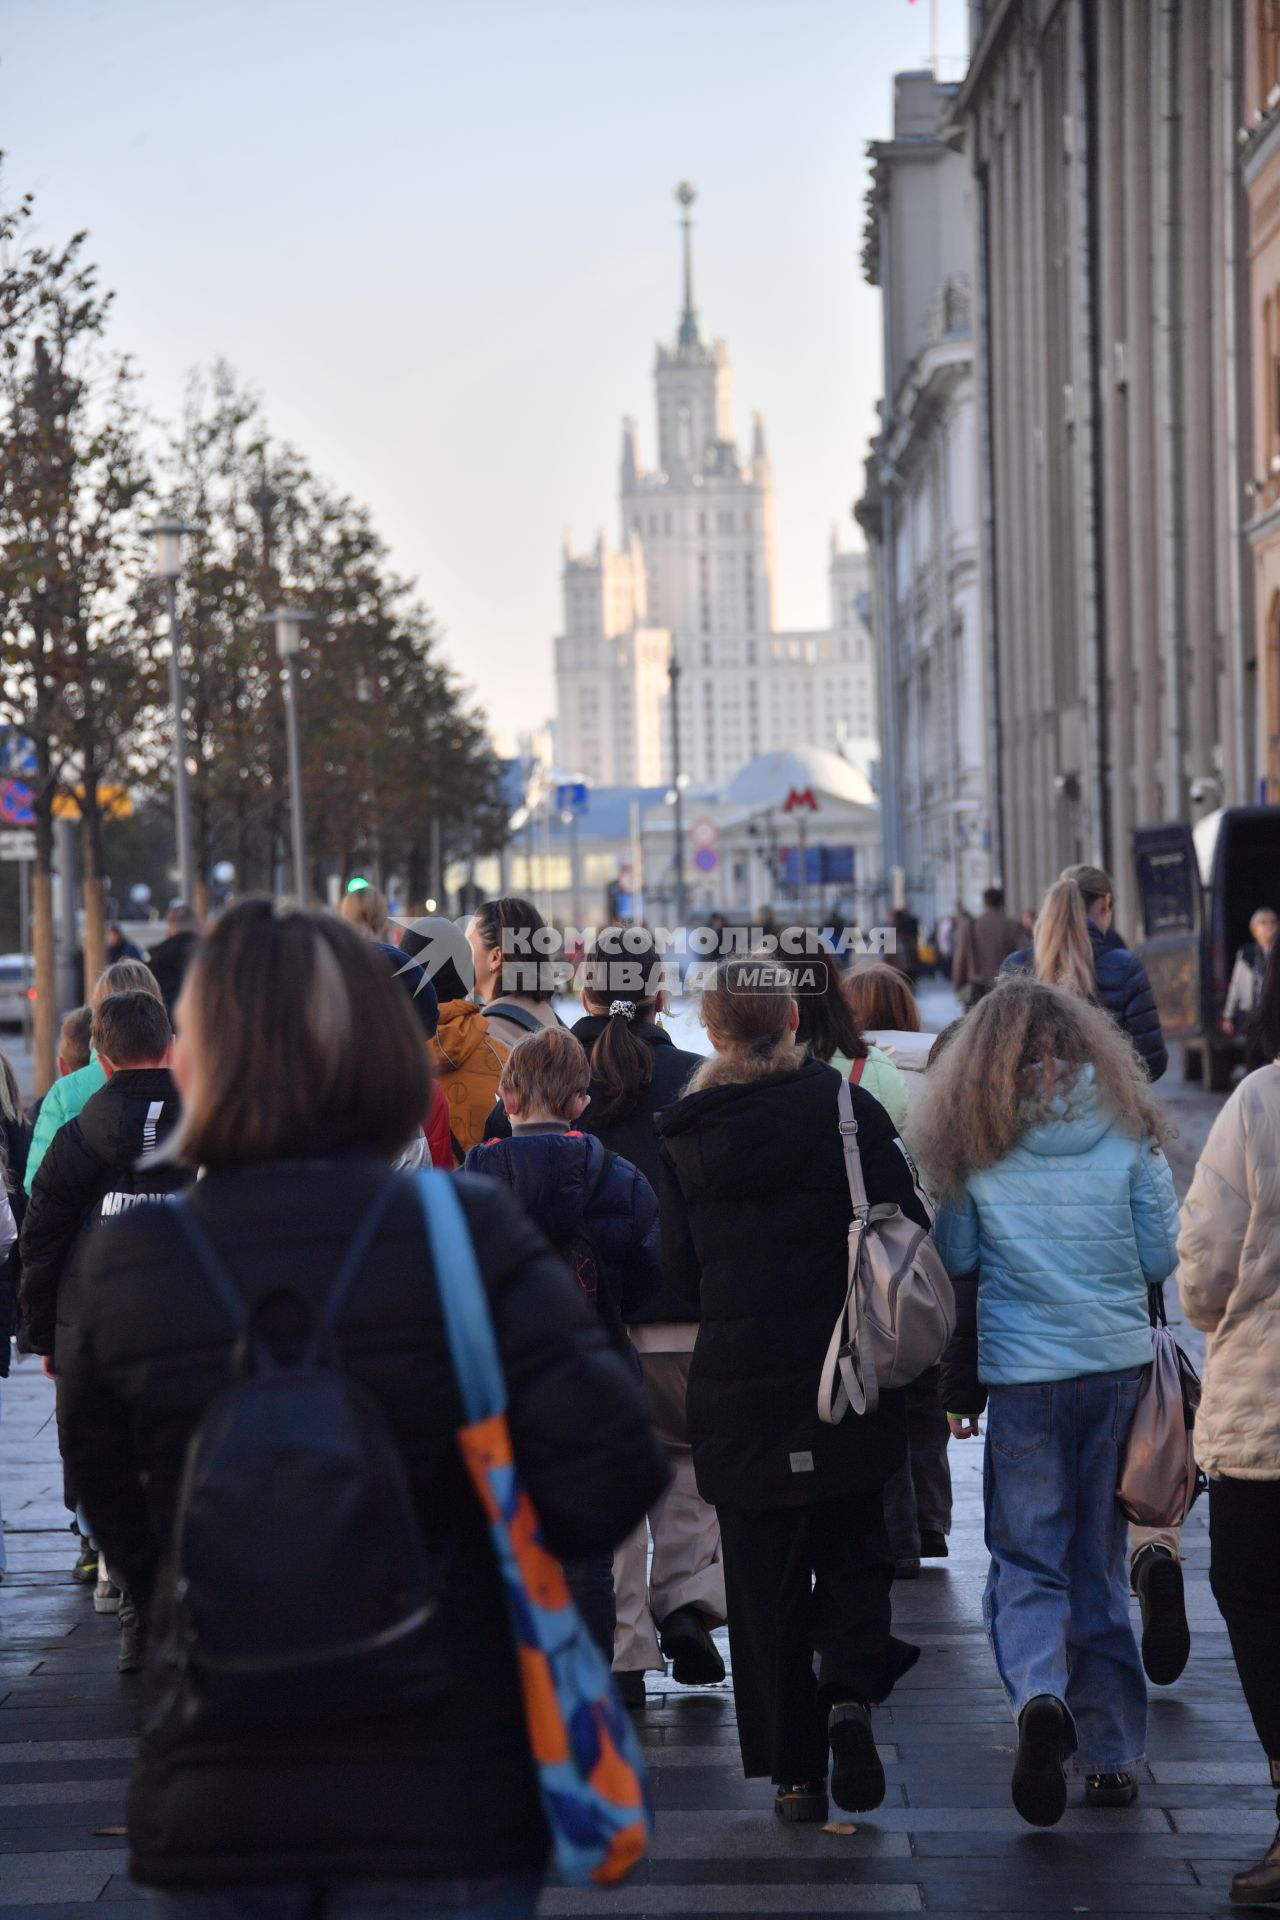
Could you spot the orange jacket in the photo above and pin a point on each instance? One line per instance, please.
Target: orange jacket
(467, 1059)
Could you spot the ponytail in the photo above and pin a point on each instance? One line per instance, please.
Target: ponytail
(620, 980)
(621, 1067)
(1063, 949)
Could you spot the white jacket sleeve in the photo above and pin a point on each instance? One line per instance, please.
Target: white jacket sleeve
(1215, 1220)
(1242, 989)
(8, 1230)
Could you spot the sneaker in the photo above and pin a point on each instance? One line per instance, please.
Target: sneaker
(686, 1640)
(106, 1597)
(1110, 1790)
(630, 1685)
(86, 1566)
(1166, 1637)
(806, 1802)
(857, 1776)
(129, 1657)
(1039, 1771)
(933, 1544)
(1259, 1886)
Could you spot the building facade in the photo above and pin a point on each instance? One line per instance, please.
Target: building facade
(1108, 279)
(692, 580)
(1260, 137)
(920, 510)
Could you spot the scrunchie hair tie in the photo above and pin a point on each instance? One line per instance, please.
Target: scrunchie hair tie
(626, 1008)
(762, 1046)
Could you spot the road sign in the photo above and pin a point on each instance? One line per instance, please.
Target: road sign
(704, 833)
(17, 844)
(17, 804)
(17, 754)
(115, 802)
(706, 859)
(572, 797)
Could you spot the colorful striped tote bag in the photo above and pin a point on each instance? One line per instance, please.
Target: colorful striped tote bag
(590, 1767)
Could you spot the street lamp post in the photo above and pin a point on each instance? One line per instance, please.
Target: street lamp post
(673, 675)
(168, 536)
(288, 623)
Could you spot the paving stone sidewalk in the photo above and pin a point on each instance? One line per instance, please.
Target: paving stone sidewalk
(946, 1841)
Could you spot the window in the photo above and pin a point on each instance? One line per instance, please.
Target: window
(724, 521)
(702, 523)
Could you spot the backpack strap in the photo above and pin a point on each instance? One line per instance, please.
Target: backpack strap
(852, 1157)
(224, 1287)
(844, 1382)
(518, 1016)
(464, 1305)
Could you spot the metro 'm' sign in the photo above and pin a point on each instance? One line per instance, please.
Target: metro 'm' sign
(800, 797)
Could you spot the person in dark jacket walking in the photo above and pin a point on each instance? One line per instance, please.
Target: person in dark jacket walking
(91, 1173)
(755, 1213)
(302, 1073)
(14, 1137)
(597, 1210)
(1077, 948)
(170, 959)
(667, 1605)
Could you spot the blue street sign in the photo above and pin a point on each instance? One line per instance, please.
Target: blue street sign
(17, 754)
(572, 798)
(17, 804)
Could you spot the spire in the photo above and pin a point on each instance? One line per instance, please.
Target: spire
(759, 452)
(630, 464)
(690, 334)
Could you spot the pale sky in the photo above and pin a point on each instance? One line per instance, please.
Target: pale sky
(439, 237)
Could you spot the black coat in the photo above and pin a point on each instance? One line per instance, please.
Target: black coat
(754, 1208)
(441, 1790)
(17, 1142)
(89, 1173)
(1123, 990)
(168, 961)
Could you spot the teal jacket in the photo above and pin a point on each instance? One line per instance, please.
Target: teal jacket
(62, 1103)
(1066, 1234)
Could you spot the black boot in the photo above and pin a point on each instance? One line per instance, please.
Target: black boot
(686, 1640)
(857, 1776)
(1166, 1637)
(806, 1802)
(1110, 1790)
(630, 1685)
(1039, 1769)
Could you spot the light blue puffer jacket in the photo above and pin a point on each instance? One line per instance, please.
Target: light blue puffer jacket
(1066, 1233)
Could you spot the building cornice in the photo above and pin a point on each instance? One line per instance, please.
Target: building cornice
(1264, 145)
(936, 369)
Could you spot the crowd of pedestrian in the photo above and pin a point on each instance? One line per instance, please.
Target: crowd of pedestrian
(388, 1316)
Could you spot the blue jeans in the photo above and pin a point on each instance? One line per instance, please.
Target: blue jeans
(493, 1897)
(1057, 1599)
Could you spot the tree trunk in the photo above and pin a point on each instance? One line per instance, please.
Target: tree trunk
(42, 934)
(94, 941)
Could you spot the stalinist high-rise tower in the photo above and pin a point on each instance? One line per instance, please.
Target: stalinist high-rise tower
(693, 579)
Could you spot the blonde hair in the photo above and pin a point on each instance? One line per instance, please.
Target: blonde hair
(1011, 1064)
(124, 976)
(1063, 949)
(548, 1069)
(366, 909)
(1094, 882)
(747, 1011)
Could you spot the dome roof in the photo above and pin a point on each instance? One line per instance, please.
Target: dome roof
(768, 780)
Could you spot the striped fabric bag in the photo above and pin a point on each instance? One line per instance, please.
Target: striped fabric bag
(590, 1768)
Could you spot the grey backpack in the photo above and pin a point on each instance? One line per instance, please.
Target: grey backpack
(899, 1311)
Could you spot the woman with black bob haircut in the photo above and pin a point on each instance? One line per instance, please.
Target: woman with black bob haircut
(303, 1073)
(666, 1608)
(514, 955)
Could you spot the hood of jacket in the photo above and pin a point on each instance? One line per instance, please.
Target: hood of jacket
(462, 1032)
(909, 1052)
(1079, 1119)
(750, 1137)
(553, 1175)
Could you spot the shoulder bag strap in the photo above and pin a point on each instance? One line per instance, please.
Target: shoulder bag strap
(220, 1282)
(857, 1070)
(518, 1016)
(464, 1306)
(840, 1386)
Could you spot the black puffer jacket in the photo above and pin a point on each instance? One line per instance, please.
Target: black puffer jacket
(89, 1174)
(1123, 990)
(169, 960)
(17, 1140)
(754, 1209)
(439, 1791)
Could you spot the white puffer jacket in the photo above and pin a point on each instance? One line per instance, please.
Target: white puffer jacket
(1229, 1279)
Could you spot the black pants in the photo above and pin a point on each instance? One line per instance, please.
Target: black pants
(919, 1493)
(1244, 1539)
(590, 1582)
(800, 1581)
